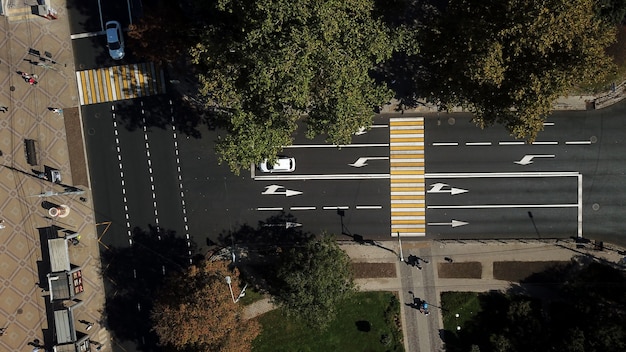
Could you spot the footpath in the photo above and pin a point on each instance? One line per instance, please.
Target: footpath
(37, 144)
(423, 333)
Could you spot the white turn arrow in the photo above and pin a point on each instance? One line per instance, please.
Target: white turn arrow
(360, 131)
(286, 225)
(528, 159)
(453, 223)
(363, 161)
(274, 189)
(438, 188)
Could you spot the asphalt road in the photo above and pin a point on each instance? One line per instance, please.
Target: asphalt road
(568, 183)
(580, 154)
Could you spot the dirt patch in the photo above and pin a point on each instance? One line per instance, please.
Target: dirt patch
(76, 148)
(373, 270)
(466, 270)
(517, 271)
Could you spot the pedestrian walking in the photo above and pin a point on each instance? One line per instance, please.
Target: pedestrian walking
(56, 110)
(4, 108)
(30, 78)
(2, 227)
(2, 331)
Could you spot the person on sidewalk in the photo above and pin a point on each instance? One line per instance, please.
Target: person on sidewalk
(4, 108)
(30, 78)
(56, 110)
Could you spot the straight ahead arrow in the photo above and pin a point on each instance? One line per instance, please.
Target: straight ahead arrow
(528, 159)
(453, 223)
(274, 189)
(363, 161)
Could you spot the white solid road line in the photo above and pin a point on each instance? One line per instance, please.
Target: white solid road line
(363, 145)
(502, 174)
(86, 35)
(320, 177)
(503, 206)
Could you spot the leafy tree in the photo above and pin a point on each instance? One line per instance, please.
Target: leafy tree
(585, 311)
(162, 34)
(508, 60)
(266, 63)
(315, 278)
(195, 311)
(611, 11)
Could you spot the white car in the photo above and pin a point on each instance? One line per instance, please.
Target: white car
(115, 40)
(283, 164)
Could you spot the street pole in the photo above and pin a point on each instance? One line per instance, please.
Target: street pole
(230, 287)
(400, 243)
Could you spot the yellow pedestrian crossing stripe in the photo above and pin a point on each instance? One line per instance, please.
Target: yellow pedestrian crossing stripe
(408, 197)
(119, 82)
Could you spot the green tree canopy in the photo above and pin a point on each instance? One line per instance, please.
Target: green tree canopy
(315, 277)
(266, 63)
(575, 308)
(508, 60)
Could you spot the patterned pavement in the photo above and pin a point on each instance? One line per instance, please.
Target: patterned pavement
(406, 145)
(27, 225)
(119, 82)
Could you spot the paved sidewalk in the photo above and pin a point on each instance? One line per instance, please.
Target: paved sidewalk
(57, 143)
(422, 333)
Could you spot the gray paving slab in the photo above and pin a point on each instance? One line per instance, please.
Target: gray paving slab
(23, 286)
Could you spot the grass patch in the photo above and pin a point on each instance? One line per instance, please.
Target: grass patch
(251, 297)
(465, 304)
(368, 321)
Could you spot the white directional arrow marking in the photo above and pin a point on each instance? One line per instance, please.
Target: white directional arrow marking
(528, 159)
(286, 225)
(438, 188)
(274, 189)
(360, 131)
(453, 223)
(363, 161)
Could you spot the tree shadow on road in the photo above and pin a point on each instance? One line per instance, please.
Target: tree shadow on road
(258, 249)
(133, 275)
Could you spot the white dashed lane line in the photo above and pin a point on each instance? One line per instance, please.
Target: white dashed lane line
(330, 207)
(180, 181)
(123, 183)
(150, 172)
